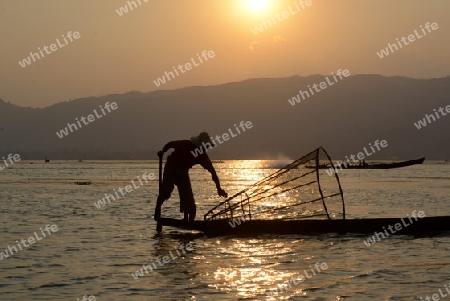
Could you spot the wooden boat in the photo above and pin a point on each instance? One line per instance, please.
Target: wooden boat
(424, 226)
(387, 165)
(83, 182)
(372, 166)
(297, 200)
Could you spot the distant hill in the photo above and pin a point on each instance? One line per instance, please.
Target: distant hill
(343, 118)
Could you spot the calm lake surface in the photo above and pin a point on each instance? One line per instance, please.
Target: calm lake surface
(95, 251)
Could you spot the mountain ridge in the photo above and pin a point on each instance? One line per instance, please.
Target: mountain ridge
(343, 118)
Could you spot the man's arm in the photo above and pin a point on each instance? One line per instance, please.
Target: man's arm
(220, 191)
(216, 180)
(166, 147)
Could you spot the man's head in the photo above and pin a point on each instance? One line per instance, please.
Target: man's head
(203, 137)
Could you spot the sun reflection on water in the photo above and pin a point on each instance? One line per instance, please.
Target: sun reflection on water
(259, 269)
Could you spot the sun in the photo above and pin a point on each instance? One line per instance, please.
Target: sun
(258, 6)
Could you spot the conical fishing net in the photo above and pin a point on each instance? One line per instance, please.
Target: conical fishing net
(305, 188)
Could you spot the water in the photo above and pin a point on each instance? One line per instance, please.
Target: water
(95, 251)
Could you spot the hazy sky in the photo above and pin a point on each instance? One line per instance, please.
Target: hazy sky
(116, 54)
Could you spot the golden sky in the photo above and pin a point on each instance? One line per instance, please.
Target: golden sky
(116, 54)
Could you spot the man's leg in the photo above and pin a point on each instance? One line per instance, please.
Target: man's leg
(187, 201)
(166, 187)
(193, 213)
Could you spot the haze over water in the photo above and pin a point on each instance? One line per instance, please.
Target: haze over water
(95, 251)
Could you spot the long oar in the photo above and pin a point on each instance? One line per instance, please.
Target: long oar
(158, 225)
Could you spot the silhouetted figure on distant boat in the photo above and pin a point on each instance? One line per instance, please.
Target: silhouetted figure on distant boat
(186, 154)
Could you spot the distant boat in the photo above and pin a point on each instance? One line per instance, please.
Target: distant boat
(388, 165)
(83, 182)
(217, 161)
(374, 166)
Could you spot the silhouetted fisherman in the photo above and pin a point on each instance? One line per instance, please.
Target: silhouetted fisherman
(176, 172)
